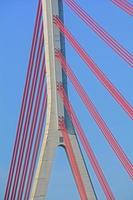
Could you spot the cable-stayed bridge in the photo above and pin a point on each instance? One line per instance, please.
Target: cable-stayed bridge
(47, 118)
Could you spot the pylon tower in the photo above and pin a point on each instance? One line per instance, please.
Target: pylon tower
(55, 108)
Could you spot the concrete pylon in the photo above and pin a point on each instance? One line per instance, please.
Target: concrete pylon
(55, 108)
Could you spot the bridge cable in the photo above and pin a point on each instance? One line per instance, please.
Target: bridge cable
(24, 102)
(97, 169)
(32, 131)
(118, 48)
(72, 160)
(96, 116)
(36, 148)
(95, 69)
(29, 111)
(124, 5)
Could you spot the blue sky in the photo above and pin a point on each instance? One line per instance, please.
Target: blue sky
(16, 27)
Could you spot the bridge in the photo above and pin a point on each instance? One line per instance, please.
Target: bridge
(70, 105)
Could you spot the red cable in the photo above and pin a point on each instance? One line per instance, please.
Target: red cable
(126, 6)
(101, 32)
(72, 160)
(96, 70)
(99, 173)
(96, 116)
(31, 136)
(36, 148)
(29, 111)
(92, 110)
(24, 101)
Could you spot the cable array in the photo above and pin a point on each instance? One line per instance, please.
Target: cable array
(96, 116)
(91, 156)
(95, 69)
(104, 35)
(124, 5)
(31, 118)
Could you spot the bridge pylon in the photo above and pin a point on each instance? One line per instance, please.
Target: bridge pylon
(55, 109)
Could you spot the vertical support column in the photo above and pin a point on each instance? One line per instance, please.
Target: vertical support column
(55, 107)
(54, 40)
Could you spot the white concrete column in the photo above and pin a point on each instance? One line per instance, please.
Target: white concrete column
(55, 108)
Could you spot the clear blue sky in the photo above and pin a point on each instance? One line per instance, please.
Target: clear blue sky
(16, 27)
